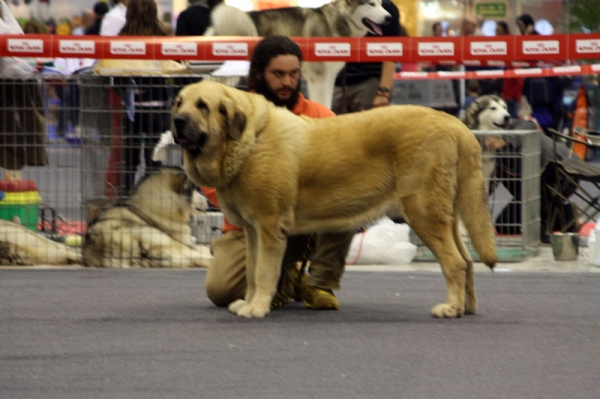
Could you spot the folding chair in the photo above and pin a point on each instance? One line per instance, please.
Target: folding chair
(561, 185)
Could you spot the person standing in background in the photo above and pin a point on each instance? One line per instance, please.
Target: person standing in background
(151, 99)
(502, 28)
(544, 93)
(194, 20)
(87, 20)
(468, 27)
(437, 29)
(368, 84)
(114, 20)
(512, 88)
(526, 25)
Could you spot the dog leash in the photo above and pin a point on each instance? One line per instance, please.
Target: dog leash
(310, 243)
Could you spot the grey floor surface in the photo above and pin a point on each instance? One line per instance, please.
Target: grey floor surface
(97, 333)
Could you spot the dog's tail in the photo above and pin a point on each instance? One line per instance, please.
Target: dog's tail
(471, 200)
(230, 21)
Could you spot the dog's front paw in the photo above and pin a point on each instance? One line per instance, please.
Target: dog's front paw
(447, 311)
(248, 310)
(235, 306)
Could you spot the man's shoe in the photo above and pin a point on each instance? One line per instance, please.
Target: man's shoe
(289, 287)
(321, 299)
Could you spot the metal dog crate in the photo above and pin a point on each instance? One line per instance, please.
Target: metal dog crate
(437, 94)
(514, 196)
(77, 123)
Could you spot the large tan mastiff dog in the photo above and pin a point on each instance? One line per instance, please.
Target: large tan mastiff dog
(279, 174)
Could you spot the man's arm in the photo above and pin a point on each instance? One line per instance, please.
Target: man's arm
(388, 69)
(111, 25)
(386, 80)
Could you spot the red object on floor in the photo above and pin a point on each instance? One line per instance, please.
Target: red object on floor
(63, 227)
(17, 186)
(584, 231)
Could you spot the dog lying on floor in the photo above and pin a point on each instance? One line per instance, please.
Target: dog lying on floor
(20, 246)
(151, 229)
(278, 174)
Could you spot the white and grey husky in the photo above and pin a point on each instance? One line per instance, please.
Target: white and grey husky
(340, 18)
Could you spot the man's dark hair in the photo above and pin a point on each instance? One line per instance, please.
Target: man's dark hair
(504, 26)
(209, 3)
(526, 19)
(100, 8)
(265, 51)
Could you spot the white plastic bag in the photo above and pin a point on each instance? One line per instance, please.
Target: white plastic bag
(10, 66)
(385, 243)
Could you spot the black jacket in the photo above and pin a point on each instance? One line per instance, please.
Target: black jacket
(193, 21)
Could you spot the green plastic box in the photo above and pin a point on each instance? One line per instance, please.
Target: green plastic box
(25, 205)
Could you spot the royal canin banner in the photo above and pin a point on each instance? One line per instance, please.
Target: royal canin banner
(379, 49)
(583, 46)
(329, 48)
(545, 48)
(473, 50)
(479, 50)
(25, 46)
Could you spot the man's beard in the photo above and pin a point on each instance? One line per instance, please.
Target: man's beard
(263, 88)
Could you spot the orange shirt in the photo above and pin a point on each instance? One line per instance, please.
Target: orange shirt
(303, 107)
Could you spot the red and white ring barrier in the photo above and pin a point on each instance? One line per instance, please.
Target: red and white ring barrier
(498, 51)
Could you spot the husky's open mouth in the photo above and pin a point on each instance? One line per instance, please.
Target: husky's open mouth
(372, 26)
(504, 125)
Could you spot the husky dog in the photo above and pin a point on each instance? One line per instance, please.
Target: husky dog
(150, 229)
(488, 113)
(20, 246)
(341, 18)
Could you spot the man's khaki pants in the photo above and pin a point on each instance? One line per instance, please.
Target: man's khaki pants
(226, 276)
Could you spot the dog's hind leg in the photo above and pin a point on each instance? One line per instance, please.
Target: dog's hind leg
(435, 227)
(470, 295)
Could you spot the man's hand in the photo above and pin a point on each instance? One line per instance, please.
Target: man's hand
(381, 100)
(494, 143)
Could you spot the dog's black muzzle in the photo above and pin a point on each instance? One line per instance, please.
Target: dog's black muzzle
(505, 123)
(186, 137)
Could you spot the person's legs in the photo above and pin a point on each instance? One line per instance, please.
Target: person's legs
(226, 276)
(359, 97)
(329, 260)
(326, 269)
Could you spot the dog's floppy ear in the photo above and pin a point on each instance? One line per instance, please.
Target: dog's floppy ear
(182, 184)
(472, 112)
(234, 119)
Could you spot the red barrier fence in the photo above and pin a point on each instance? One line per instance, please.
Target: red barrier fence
(472, 50)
